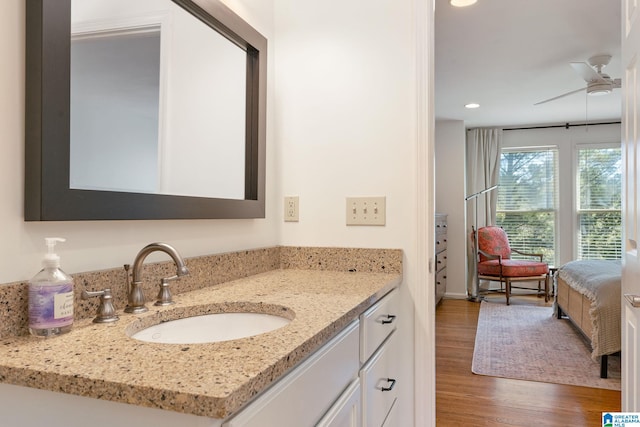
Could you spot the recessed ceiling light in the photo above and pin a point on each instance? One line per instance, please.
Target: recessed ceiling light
(462, 3)
(472, 105)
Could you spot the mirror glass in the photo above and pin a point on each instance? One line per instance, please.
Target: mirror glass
(157, 101)
(143, 109)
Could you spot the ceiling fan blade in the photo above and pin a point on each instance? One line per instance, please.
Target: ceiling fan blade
(617, 83)
(587, 72)
(560, 96)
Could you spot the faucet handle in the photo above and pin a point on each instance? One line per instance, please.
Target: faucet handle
(164, 296)
(106, 312)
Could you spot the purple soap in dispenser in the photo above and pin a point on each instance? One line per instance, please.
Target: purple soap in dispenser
(50, 296)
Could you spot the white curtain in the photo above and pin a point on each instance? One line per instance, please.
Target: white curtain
(483, 171)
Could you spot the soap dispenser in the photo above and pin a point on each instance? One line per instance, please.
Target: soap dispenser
(50, 296)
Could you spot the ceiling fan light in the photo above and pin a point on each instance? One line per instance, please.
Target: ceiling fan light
(462, 3)
(598, 89)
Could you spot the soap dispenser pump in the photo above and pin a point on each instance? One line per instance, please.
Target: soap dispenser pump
(50, 296)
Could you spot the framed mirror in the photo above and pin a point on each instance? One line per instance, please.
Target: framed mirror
(145, 109)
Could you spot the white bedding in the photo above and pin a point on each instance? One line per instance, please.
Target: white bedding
(599, 281)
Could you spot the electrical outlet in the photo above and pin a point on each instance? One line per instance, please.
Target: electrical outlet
(291, 212)
(366, 210)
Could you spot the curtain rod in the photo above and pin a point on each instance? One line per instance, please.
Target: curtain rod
(566, 125)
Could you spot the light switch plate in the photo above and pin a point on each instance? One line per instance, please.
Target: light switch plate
(366, 210)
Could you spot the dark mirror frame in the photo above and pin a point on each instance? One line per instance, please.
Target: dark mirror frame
(47, 116)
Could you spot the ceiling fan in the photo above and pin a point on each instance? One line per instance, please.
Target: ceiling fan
(598, 83)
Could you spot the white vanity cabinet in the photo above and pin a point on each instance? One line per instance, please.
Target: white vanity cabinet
(345, 384)
(304, 395)
(370, 401)
(378, 352)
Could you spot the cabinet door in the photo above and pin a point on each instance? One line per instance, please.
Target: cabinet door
(380, 383)
(306, 393)
(346, 411)
(393, 417)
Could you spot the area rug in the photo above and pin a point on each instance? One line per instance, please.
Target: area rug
(529, 343)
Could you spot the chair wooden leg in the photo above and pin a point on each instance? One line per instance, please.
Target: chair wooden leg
(507, 288)
(539, 288)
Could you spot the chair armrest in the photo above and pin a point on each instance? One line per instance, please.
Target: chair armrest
(527, 254)
(490, 256)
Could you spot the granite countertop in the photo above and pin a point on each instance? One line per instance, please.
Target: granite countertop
(213, 379)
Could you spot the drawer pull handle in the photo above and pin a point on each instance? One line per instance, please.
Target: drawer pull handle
(393, 384)
(390, 318)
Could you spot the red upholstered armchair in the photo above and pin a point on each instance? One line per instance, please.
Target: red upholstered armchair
(495, 263)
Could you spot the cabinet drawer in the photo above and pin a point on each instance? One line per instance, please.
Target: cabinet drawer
(441, 283)
(377, 323)
(306, 393)
(441, 260)
(441, 278)
(441, 241)
(379, 384)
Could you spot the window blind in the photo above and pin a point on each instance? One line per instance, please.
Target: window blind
(528, 199)
(599, 192)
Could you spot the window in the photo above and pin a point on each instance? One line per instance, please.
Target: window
(598, 192)
(528, 199)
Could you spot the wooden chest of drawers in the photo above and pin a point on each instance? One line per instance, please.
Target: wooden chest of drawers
(441, 256)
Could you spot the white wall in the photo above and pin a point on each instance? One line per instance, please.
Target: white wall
(566, 141)
(450, 194)
(345, 116)
(346, 126)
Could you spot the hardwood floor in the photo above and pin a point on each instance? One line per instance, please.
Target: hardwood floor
(466, 399)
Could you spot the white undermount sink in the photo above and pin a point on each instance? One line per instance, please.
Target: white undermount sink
(211, 328)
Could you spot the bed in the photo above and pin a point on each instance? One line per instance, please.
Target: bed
(588, 293)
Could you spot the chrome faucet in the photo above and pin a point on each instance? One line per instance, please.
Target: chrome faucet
(136, 297)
